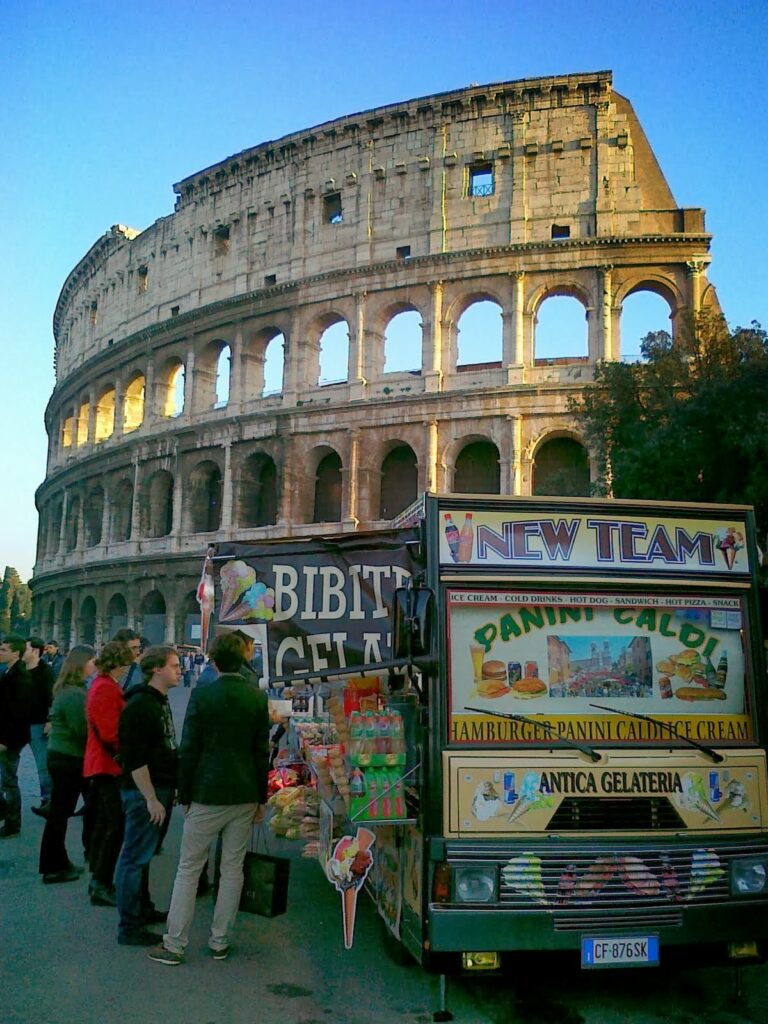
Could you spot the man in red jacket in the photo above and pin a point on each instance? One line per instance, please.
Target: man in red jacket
(103, 706)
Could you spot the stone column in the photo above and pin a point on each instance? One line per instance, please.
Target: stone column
(63, 526)
(105, 519)
(91, 417)
(516, 482)
(226, 489)
(432, 343)
(177, 499)
(349, 476)
(152, 410)
(136, 504)
(357, 366)
(237, 372)
(605, 341)
(190, 395)
(117, 427)
(170, 623)
(432, 482)
(695, 281)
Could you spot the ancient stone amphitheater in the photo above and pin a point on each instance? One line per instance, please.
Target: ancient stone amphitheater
(291, 350)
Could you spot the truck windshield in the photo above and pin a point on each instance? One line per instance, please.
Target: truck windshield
(667, 664)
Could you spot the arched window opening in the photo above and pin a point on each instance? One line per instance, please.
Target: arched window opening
(643, 312)
(258, 491)
(153, 617)
(479, 330)
(477, 469)
(54, 530)
(66, 624)
(67, 431)
(117, 614)
(561, 468)
(174, 391)
(327, 507)
(205, 488)
(561, 329)
(87, 622)
(223, 376)
(160, 504)
(133, 405)
(73, 524)
(399, 481)
(104, 424)
(122, 511)
(190, 619)
(334, 353)
(94, 516)
(274, 365)
(402, 343)
(82, 424)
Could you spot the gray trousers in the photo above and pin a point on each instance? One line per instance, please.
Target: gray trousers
(201, 825)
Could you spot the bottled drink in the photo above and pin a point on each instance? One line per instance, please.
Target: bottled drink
(382, 733)
(466, 538)
(356, 736)
(722, 671)
(452, 536)
(369, 744)
(396, 733)
(398, 804)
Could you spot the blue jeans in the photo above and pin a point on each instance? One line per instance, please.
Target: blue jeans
(9, 787)
(38, 741)
(140, 842)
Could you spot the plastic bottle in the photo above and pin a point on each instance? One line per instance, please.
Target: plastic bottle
(356, 792)
(356, 736)
(398, 804)
(372, 793)
(466, 538)
(387, 793)
(382, 734)
(396, 733)
(452, 536)
(369, 740)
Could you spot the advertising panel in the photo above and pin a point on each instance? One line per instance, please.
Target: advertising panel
(593, 666)
(640, 544)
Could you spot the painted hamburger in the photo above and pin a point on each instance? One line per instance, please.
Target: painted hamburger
(529, 687)
(493, 680)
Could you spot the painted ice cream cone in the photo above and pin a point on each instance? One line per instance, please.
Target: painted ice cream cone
(348, 913)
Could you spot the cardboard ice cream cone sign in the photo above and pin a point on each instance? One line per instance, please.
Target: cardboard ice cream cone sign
(347, 869)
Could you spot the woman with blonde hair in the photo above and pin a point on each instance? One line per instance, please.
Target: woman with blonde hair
(66, 746)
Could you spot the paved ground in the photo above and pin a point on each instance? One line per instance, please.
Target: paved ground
(61, 964)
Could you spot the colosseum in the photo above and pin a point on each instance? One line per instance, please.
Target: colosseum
(288, 351)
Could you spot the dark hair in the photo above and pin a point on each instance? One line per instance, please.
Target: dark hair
(114, 655)
(122, 636)
(155, 657)
(36, 643)
(52, 643)
(228, 652)
(16, 643)
(72, 667)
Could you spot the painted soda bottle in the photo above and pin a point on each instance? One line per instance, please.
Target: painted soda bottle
(466, 538)
(452, 536)
(722, 671)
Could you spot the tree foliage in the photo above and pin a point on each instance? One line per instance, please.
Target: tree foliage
(15, 603)
(689, 422)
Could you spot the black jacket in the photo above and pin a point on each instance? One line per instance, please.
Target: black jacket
(42, 692)
(147, 737)
(15, 706)
(223, 757)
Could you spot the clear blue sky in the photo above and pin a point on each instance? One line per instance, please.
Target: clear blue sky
(106, 104)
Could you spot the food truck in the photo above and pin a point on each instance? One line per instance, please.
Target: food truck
(579, 686)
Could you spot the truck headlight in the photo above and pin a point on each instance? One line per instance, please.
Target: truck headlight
(475, 883)
(749, 876)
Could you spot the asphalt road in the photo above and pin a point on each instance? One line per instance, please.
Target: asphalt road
(60, 964)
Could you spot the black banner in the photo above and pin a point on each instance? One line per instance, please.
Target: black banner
(324, 602)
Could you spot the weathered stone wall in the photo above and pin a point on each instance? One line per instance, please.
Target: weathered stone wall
(577, 205)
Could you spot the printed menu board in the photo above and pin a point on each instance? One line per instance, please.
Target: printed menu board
(581, 666)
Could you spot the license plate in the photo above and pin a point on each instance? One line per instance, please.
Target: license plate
(620, 951)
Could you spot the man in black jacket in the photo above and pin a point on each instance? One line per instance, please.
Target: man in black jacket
(14, 731)
(42, 680)
(148, 756)
(223, 764)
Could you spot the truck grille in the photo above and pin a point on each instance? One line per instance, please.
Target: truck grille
(641, 814)
(636, 877)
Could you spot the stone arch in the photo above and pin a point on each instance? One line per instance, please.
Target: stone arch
(73, 522)
(157, 511)
(203, 499)
(477, 468)
(122, 510)
(133, 403)
(333, 350)
(116, 615)
(67, 432)
(213, 366)
(399, 479)
(479, 332)
(403, 341)
(86, 621)
(561, 331)
(258, 491)
(94, 516)
(152, 610)
(104, 419)
(54, 527)
(263, 361)
(328, 485)
(172, 387)
(560, 466)
(638, 316)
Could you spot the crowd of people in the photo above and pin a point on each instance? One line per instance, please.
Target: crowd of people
(100, 728)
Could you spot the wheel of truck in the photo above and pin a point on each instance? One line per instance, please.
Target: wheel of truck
(394, 948)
